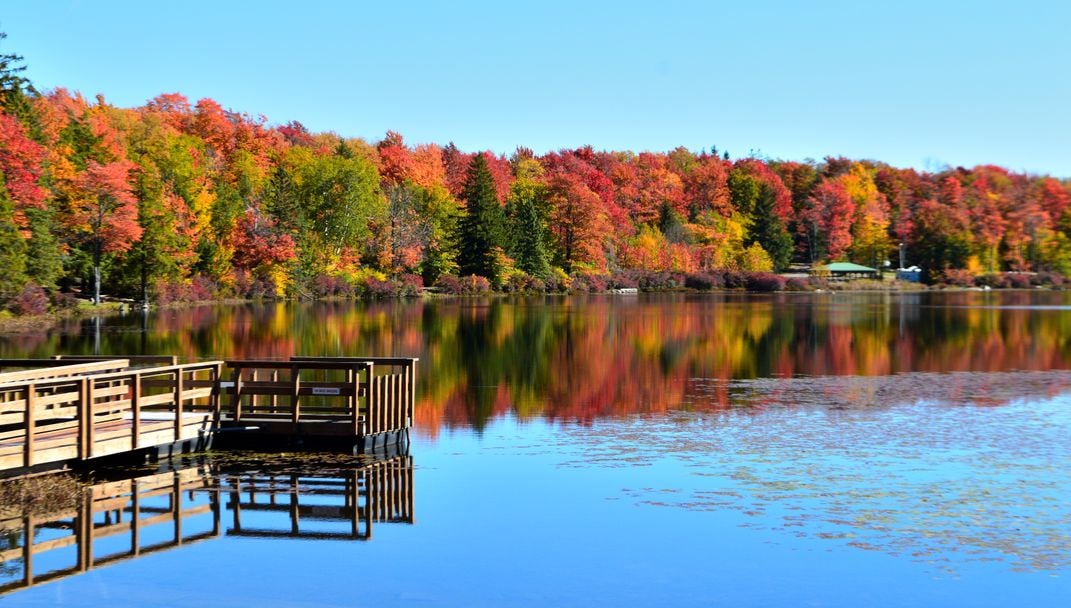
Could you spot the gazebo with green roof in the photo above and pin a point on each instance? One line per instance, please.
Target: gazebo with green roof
(845, 271)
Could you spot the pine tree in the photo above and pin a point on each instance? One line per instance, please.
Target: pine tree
(528, 242)
(480, 228)
(44, 260)
(12, 251)
(768, 230)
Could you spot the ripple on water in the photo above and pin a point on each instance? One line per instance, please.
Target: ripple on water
(944, 468)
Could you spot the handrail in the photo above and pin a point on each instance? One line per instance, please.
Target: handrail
(149, 359)
(49, 372)
(76, 415)
(392, 396)
(149, 371)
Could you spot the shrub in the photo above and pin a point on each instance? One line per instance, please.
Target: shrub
(448, 283)
(470, 285)
(64, 301)
(704, 281)
(798, 284)
(250, 286)
(476, 285)
(1050, 279)
(325, 286)
(1017, 280)
(624, 279)
(995, 280)
(203, 288)
(661, 281)
(734, 279)
(516, 282)
(589, 282)
(957, 277)
(411, 285)
(818, 283)
(555, 284)
(32, 300)
(378, 288)
(765, 281)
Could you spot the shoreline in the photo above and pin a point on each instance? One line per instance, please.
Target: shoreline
(19, 325)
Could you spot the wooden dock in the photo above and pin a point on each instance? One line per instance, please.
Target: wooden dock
(190, 503)
(77, 409)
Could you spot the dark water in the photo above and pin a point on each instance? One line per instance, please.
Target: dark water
(818, 450)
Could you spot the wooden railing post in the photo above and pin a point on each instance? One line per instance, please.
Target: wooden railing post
(275, 398)
(178, 404)
(352, 378)
(215, 399)
(90, 415)
(135, 421)
(411, 369)
(295, 399)
(236, 399)
(371, 420)
(254, 399)
(31, 424)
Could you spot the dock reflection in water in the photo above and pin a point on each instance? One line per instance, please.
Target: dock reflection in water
(201, 499)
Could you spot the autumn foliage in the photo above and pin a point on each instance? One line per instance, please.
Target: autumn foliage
(174, 191)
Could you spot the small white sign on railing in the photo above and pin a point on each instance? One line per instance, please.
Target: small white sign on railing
(323, 390)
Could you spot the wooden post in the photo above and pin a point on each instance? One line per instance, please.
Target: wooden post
(412, 393)
(135, 422)
(275, 398)
(295, 386)
(236, 400)
(254, 399)
(373, 402)
(214, 400)
(178, 404)
(351, 403)
(90, 415)
(31, 424)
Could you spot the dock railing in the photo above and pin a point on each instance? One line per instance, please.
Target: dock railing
(373, 394)
(45, 420)
(391, 387)
(296, 392)
(46, 369)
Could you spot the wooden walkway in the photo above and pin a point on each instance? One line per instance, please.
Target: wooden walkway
(187, 505)
(77, 409)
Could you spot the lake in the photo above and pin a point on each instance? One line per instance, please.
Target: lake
(739, 450)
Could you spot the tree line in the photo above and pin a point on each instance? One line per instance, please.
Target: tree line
(179, 199)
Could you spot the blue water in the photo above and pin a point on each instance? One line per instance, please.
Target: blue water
(920, 503)
(726, 450)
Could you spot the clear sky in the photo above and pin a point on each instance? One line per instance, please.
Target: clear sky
(919, 84)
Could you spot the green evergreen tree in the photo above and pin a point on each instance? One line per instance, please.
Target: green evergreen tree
(44, 259)
(12, 251)
(769, 231)
(480, 229)
(528, 237)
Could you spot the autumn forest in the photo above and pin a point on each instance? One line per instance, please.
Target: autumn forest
(179, 200)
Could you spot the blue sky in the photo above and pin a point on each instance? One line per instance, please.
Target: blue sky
(919, 84)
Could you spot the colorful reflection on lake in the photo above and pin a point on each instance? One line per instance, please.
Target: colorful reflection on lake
(790, 449)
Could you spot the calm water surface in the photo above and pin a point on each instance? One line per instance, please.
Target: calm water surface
(787, 450)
